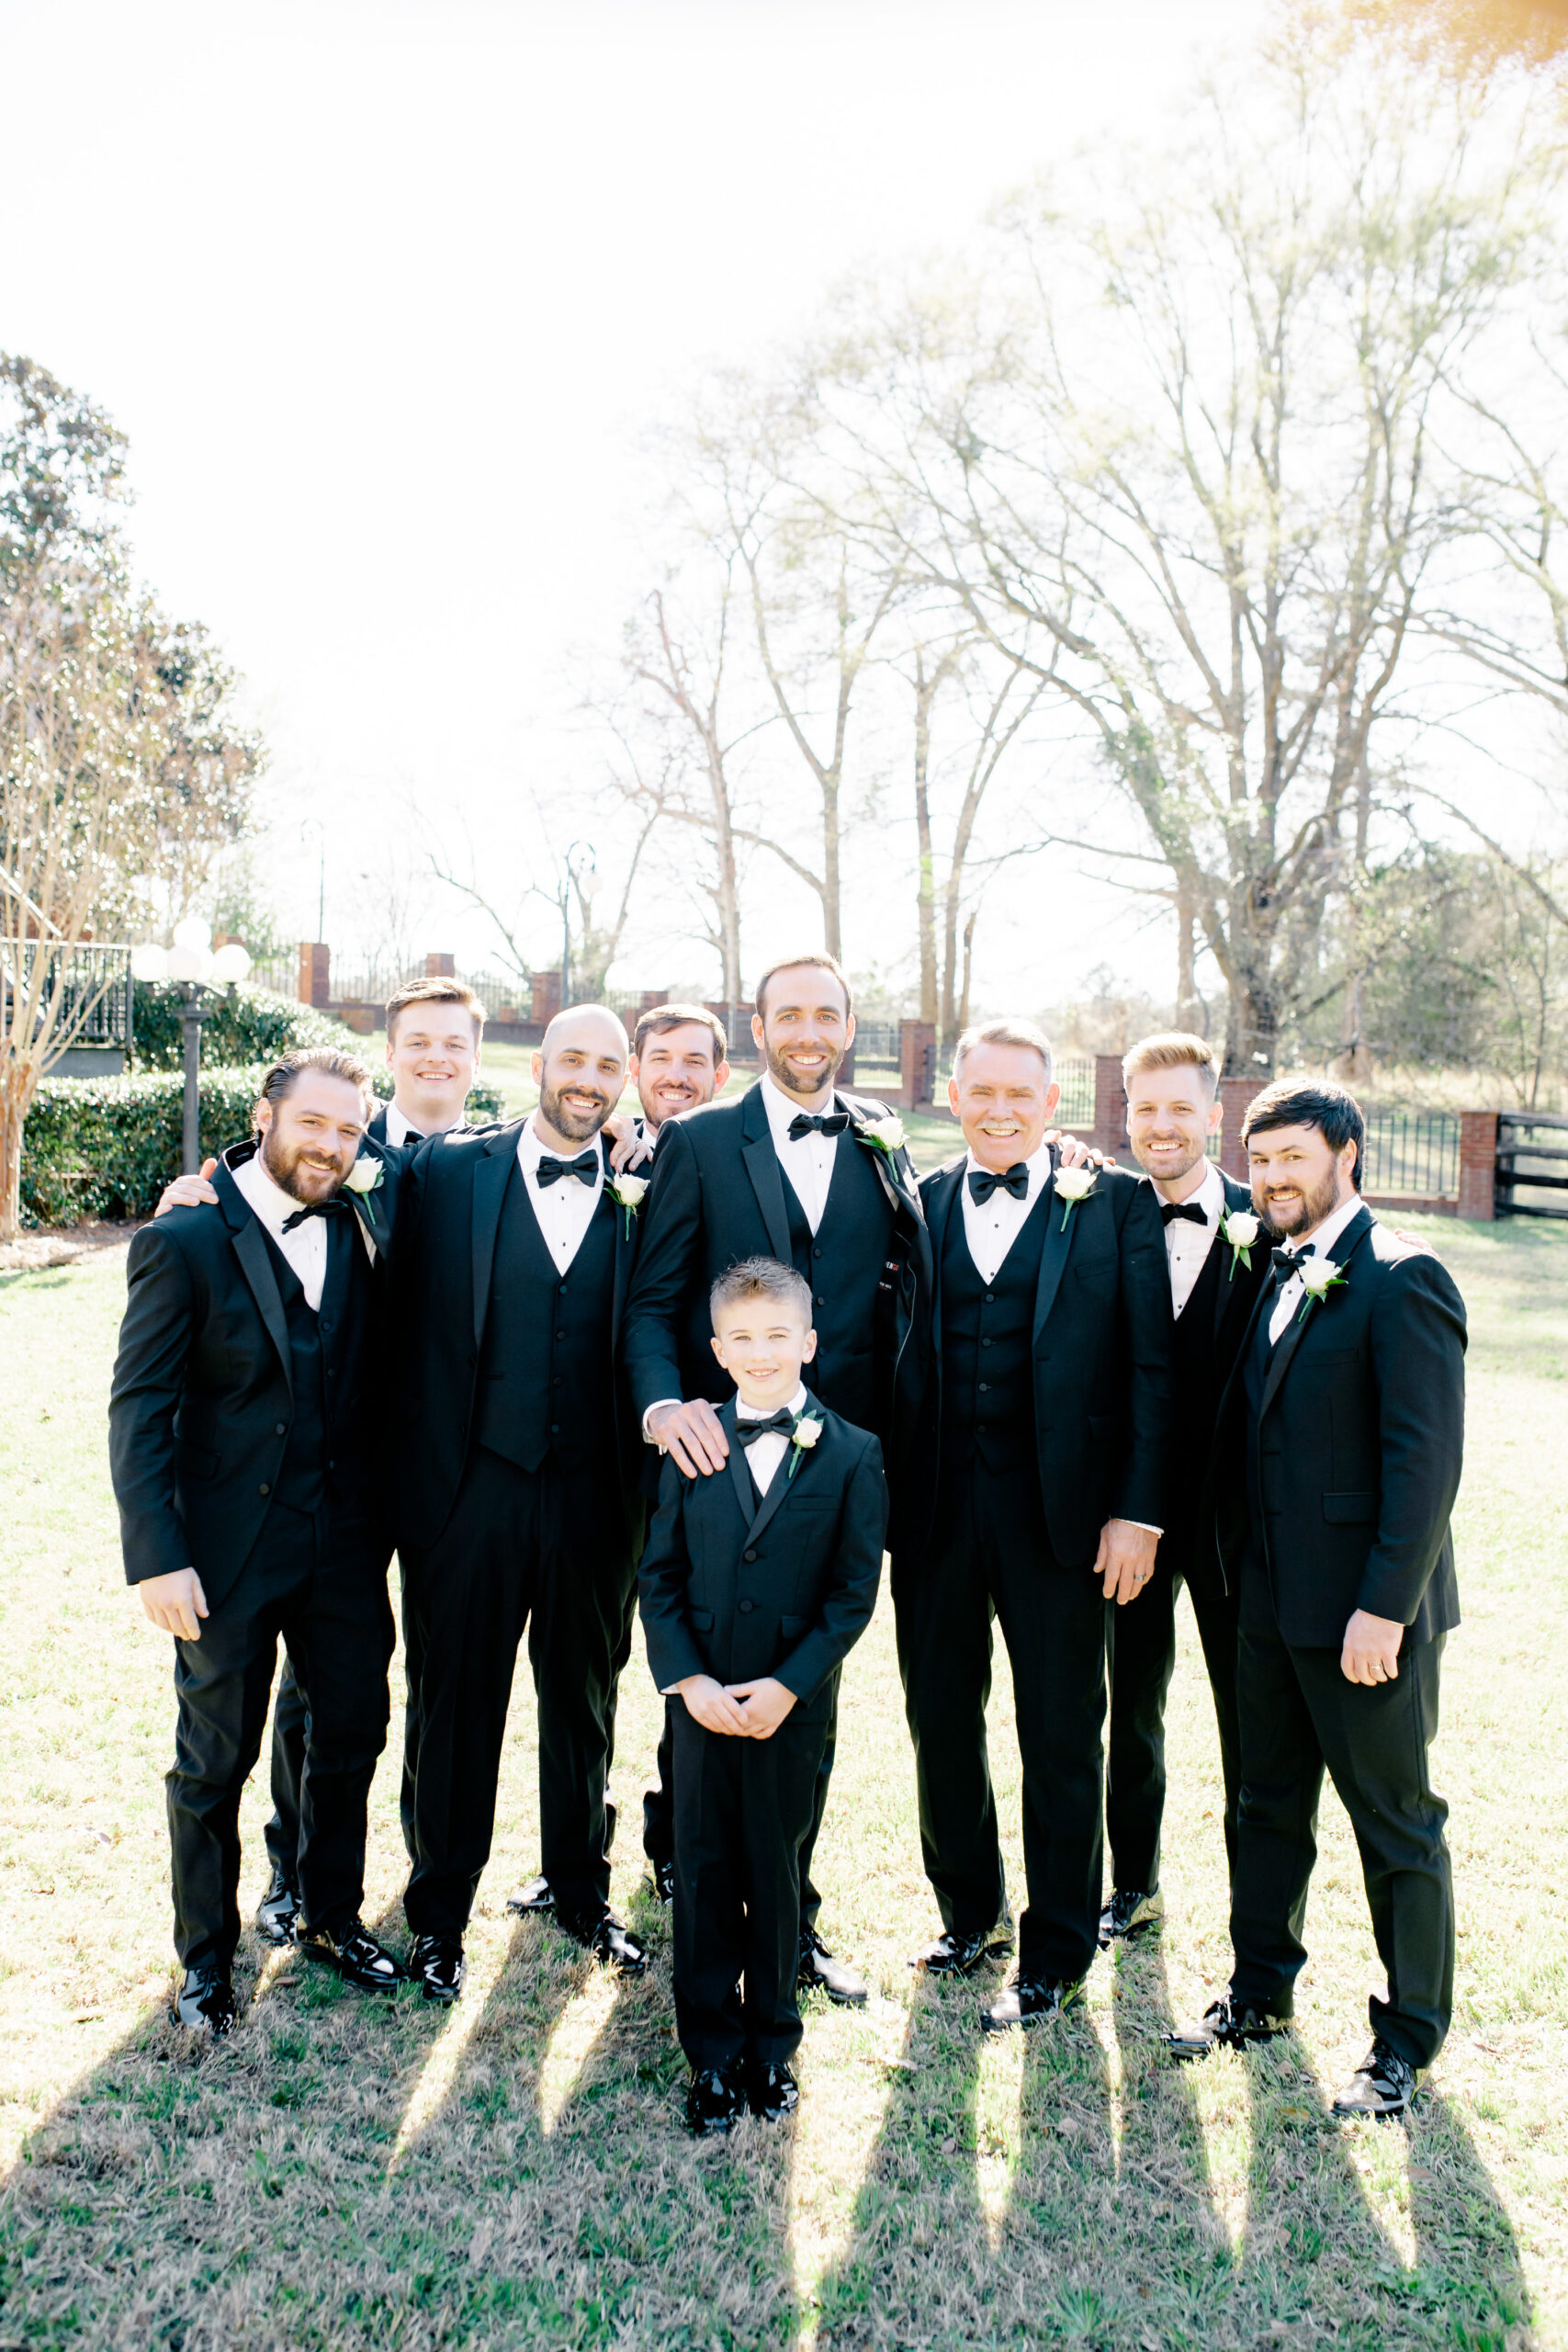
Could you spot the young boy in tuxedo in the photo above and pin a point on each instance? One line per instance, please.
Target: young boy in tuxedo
(754, 1588)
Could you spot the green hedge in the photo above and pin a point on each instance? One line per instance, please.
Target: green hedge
(254, 1028)
(106, 1148)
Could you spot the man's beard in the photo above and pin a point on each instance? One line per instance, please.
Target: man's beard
(781, 1074)
(1196, 1156)
(1316, 1203)
(579, 1126)
(283, 1167)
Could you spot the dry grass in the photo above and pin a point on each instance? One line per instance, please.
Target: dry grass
(514, 2172)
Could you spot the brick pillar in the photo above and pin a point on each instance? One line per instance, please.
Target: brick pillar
(1109, 1105)
(651, 998)
(1478, 1164)
(1236, 1093)
(441, 968)
(917, 1064)
(547, 997)
(315, 982)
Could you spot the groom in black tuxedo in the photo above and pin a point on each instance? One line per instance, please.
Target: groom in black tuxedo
(800, 1170)
(1037, 1492)
(1336, 1461)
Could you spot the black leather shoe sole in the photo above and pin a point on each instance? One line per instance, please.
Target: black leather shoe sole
(531, 1901)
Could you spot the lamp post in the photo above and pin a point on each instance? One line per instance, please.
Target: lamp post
(198, 974)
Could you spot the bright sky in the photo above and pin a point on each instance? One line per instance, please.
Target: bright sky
(383, 295)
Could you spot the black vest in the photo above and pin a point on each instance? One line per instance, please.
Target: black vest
(319, 1347)
(852, 1239)
(988, 1352)
(546, 1379)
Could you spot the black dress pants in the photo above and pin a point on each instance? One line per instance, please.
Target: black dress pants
(989, 1555)
(1298, 1714)
(659, 1812)
(545, 1552)
(742, 1808)
(321, 1583)
(289, 1723)
(1140, 1657)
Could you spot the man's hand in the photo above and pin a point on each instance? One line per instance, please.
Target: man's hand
(1125, 1560)
(188, 1192)
(691, 1433)
(1371, 1648)
(174, 1602)
(629, 1150)
(764, 1704)
(1074, 1152)
(710, 1704)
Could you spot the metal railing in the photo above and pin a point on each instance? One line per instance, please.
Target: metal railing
(1538, 1167)
(1412, 1151)
(96, 997)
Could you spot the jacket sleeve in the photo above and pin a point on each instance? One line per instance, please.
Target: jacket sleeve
(671, 1219)
(850, 1597)
(149, 1380)
(1419, 1339)
(1142, 1480)
(663, 1579)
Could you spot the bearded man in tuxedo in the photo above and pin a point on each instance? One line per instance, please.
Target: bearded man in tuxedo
(800, 1170)
(1336, 1461)
(1037, 1492)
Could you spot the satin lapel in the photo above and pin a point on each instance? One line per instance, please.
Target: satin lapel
(491, 1175)
(1229, 1281)
(946, 1201)
(740, 1476)
(897, 1198)
(249, 1248)
(767, 1177)
(626, 1252)
(778, 1493)
(1054, 1254)
(1290, 1341)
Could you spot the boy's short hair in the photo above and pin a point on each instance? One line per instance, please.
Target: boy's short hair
(759, 1278)
(1172, 1050)
(435, 991)
(665, 1017)
(1311, 1102)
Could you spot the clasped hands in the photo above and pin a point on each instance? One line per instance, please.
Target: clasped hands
(745, 1710)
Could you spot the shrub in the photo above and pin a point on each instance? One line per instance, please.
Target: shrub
(254, 1028)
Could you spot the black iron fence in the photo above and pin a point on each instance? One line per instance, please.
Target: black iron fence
(95, 984)
(1530, 1166)
(1412, 1151)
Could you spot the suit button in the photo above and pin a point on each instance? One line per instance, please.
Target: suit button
(264, 1489)
(991, 1297)
(985, 1388)
(560, 1380)
(331, 1373)
(745, 1556)
(816, 1249)
(555, 1429)
(326, 1322)
(560, 1335)
(747, 1607)
(821, 1300)
(985, 1343)
(979, 1429)
(563, 1285)
(282, 1429)
(332, 1466)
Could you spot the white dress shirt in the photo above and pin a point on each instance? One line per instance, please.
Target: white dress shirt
(1187, 1245)
(400, 1129)
(306, 1248)
(564, 1209)
(764, 1453)
(1317, 1245)
(807, 1161)
(990, 1227)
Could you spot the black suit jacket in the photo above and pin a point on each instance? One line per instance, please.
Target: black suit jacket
(1101, 1366)
(1357, 1447)
(717, 1196)
(202, 1398)
(1203, 1363)
(739, 1588)
(444, 1199)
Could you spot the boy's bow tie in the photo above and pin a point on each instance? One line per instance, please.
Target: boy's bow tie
(781, 1423)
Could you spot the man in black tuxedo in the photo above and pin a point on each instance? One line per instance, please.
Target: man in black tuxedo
(518, 1483)
(1217, 1262)
(1037, 1492)
(435, 1028)
(755, 1585)
(818, 1178)
(245, 1445)
(1336, 1461)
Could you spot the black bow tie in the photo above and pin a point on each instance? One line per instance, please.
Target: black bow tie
(316, 1208)
(586, 1166)
(817, 1123)
(984, 1181)
(1286, 1263)
(781, 1423)
(1170, 1210)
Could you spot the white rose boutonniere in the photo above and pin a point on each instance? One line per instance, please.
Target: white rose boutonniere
(1073, 1186)
(629, 1191)
(1319, 1277)
(882, 1134)
(807, 1430)
(1241, 1229)
(364, 1178)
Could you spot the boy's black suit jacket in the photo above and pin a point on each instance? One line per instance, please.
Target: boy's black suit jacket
(739, 1588)
(1101, 1365)
(717, 1196)
(1357, 1448)
(438, 1214)
(202, 1398)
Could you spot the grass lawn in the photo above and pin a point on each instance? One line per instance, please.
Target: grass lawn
(515, 2172)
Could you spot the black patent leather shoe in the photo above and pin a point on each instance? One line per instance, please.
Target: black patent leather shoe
(956, 1955)
(602, 1934)
(530, 1900)
(819, 1971)
(205, 2003)
(1130, 1912)
(359, 1960)
(1225, 2024)
(715, 2100)
(437, 1966)
(1031, 2000)
(277, 1911)
(771, 2091)
(1382, 2085)
(661, 1878)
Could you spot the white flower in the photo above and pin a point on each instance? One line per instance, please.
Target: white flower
(1241, 1228)
(1318, 1275)
(806, 1432)
(365, 1175)
(629, 1190)
(886, 1134)
(1074, 1183)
